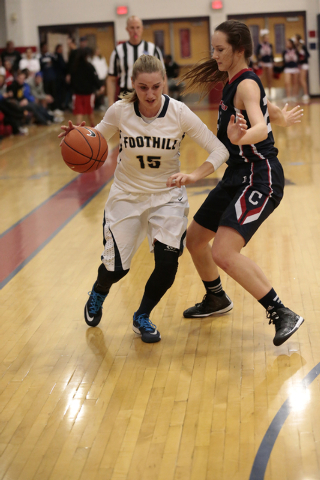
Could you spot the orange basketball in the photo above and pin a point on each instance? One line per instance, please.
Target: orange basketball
(84, 149)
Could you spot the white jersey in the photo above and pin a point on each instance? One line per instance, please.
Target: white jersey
(149, 152)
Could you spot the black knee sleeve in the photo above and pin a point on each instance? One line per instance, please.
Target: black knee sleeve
(106, 278)
(163, 275)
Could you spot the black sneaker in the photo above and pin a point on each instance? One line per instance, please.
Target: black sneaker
(143, 326)
(93, 308)
(286, 323)
(210, 305)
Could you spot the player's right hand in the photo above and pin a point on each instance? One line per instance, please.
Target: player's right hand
(180, 179)
(67, 129)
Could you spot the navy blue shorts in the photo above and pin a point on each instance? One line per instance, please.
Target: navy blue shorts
(244, 198)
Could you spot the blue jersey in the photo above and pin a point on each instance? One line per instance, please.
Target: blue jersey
(244, 153)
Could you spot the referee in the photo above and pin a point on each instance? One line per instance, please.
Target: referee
(125, 54)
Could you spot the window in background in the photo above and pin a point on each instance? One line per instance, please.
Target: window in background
(254, 30)
(185, 46)
(279, 37)
(159, 39)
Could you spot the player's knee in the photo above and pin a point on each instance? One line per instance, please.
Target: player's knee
(166, 262)
(192, 243)
(106, 278)
(221, 258)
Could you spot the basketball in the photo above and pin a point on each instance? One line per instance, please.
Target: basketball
(84, 149)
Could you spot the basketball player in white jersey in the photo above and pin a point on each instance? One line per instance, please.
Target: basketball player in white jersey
(141, 203)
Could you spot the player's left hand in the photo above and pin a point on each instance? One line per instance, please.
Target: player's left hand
(292, 116)
(67, 129)
(236, 129)
(180, 179)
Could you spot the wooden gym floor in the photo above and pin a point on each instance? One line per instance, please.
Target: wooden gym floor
(214, 399)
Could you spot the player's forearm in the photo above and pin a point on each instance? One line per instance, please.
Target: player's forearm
(275, 115)
(253, 135)
(203, 171)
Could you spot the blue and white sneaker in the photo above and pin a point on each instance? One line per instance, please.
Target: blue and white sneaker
(93, 308)
(143, 326)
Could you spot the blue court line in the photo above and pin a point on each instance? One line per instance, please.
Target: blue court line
(263, 454)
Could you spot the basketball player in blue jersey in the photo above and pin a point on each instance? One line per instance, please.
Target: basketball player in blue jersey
(251, 187)
(140, 203)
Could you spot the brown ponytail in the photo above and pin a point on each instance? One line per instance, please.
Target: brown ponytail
(206, 75)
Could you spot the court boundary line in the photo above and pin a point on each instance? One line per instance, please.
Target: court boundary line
(264, 452)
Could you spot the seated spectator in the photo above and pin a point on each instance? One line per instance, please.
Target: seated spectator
(12, 55)
(9, 75)
(20, 93)
(100, 64)
(173, 70)
(30, 62)
(84, 82)
(38, 92)
(2, 69)
(48, 71)
(14, 115)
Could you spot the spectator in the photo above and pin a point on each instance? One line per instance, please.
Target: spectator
(84, 82)
(2, 69)
(72, 47)
(83, 42)
(100, 64)
(61, 72)
(291, 71)
(38, 92)
(47, 62)
(14, 115)
(173, 70)
(20, 93)
(74, 50)
(123, 57)
(9, 75)
(303, 66)
(72, 53)
(264, 54)
(12, 55)
(30, 62)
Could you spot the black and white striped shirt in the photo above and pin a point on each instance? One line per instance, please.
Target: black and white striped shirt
(123, 57)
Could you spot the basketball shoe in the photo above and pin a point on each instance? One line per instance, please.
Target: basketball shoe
(143, 326)
(286, 322)
(210, 305)
(93, 308)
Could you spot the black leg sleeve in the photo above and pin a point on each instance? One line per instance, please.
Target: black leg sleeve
(106, 278)
(162, 277)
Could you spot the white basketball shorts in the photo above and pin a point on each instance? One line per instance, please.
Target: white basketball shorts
(129, 218)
